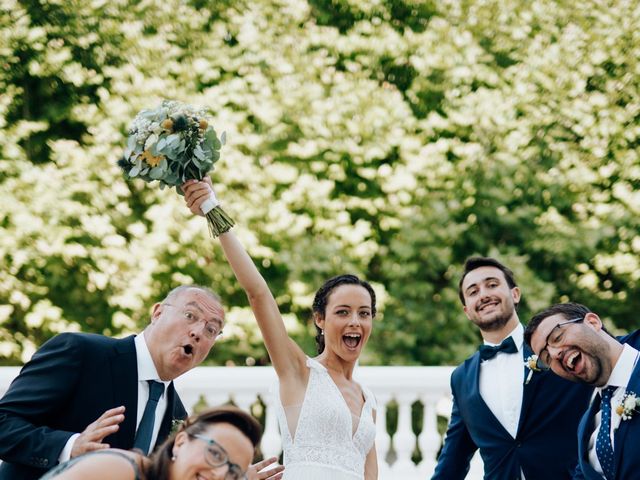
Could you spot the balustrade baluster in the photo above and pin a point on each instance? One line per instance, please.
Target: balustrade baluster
(383, 441)
(429, 439)
(404, 439)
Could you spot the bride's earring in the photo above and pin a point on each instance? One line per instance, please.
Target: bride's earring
(321, 332)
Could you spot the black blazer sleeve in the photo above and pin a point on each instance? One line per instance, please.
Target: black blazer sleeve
(42, 389)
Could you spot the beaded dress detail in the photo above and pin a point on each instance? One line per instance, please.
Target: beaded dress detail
(321, 438)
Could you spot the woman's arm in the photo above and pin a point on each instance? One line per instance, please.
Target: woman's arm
(100, 466)
(288, 359)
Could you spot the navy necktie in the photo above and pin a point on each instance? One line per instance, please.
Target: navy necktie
(507, 346)
(604, 450)
(145, 429)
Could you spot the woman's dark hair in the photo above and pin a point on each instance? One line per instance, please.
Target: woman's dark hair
(322, 298)
(158, 467)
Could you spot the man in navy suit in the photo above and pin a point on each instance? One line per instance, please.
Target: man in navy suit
(571, 341)
(522, 421)
(83, 392)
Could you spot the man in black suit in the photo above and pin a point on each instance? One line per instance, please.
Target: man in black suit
(572, 341)
(83, 392)
(522, 421)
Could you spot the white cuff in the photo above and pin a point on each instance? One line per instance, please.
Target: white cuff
(66, 451)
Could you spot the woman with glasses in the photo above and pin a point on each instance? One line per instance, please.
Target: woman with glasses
(217, 444)
(327, 420)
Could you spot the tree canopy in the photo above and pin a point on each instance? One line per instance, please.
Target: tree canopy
(388, 138)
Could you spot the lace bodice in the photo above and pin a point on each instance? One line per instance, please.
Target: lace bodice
(323, 444)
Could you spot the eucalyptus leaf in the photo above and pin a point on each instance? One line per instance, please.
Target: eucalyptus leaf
(156, 173)
(198, 153)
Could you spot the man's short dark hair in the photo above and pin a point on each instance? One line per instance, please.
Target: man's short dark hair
(473, 263)
(568, 310)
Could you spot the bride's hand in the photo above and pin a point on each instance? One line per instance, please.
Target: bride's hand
(196, 192)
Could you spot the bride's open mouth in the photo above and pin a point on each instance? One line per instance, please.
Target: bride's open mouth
(352, 340)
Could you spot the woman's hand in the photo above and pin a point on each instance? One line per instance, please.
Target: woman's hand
(258, 471)
(196, 192)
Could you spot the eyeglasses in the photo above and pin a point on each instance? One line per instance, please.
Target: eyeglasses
(216, 456)
(211, 330)
(544, 357)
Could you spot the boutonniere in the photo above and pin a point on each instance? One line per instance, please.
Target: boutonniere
(532, 364)
(628, 405)
(175, 425)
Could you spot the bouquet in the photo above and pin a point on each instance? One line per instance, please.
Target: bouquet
(172, 144)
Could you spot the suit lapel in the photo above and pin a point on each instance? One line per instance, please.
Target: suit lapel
(528, 389)
(125, 388)
(585, 430)
(477, 402)
(165, 426)
(623, 428)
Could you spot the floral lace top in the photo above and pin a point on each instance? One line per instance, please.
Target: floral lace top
(321, 438)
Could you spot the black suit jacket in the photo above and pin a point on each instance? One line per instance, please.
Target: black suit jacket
(72, 380)
(626, 436)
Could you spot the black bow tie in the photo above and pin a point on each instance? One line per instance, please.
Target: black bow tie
(507, 346)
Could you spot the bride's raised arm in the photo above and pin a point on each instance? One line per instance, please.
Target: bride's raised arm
(287, 357)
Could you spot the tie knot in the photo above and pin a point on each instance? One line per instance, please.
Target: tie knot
(507, 346)
(156, 389)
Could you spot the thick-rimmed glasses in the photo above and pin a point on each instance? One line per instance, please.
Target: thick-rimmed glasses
(544, 357)
(211, 330)
(216, 457)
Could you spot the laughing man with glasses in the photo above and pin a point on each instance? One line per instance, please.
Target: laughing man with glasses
(572, 341)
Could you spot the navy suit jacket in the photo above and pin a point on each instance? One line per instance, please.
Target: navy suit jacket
(72, 380)
(626, 443)
(545, 447)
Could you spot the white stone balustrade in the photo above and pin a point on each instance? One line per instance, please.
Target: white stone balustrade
(394, 387)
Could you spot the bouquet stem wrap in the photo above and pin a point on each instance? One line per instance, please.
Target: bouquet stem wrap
(218, 220)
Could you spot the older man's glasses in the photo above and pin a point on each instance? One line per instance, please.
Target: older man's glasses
(554, 339)
(211, 329)
(217, 457)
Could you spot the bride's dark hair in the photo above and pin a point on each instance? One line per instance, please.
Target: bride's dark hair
(321, 299)
(157, 467)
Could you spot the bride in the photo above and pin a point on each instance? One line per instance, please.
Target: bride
(327, 420)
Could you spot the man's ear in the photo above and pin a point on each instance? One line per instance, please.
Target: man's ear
(593, 320)
(515, 295)
(156, 311)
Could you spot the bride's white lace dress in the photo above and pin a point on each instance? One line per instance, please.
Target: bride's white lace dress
(321, 438)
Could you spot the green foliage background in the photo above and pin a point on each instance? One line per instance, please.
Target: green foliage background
(391, 138)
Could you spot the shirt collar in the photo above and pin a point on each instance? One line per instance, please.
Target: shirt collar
(146, 367)
(517, 334)
(621, 373)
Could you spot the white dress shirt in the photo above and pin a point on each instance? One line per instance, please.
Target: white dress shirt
(620, 376)
(146, 371)
(501, 383)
